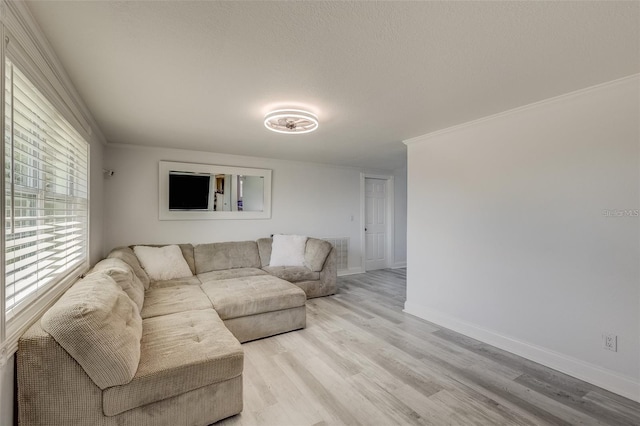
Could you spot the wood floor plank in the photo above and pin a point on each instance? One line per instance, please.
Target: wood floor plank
(586, 405)
(392, 407)
(331, 403)
(625, 410)
(362, 360)
(555, 378)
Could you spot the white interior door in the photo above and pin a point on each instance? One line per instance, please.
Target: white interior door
(375, 213)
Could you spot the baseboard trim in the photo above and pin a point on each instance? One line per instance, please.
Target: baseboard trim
(399, 265)
(350, 271)
(582, 370)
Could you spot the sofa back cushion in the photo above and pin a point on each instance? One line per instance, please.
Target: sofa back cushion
(264, 248)
(123, 275)
(316, 253)
(187, 253)
(100, 327)
(128, 256)
(230, 255)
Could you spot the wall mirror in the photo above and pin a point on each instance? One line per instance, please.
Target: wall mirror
(190, 191)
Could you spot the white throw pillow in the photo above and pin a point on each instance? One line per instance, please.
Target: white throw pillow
(163, 263)
(288, 250)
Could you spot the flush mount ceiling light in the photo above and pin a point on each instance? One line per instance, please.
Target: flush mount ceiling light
(291, 121)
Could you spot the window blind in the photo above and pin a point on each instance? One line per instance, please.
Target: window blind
(46, 194)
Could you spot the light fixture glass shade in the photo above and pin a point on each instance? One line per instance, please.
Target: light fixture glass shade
(291, 121)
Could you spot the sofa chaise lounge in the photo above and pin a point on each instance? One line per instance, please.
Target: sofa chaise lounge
(119, 348)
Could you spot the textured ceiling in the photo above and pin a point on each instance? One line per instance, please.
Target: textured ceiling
(201, 75)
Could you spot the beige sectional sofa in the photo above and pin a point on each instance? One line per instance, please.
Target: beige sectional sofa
(120, 349)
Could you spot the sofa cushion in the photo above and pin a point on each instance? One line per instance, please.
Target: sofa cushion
(169, 300)
(123, 275)
(230, 273)
(240, 297)
(180, 352)
(267, 324)
(293, 274)
(100, 327)
(264, 249)
(126, 254)
(288, 250)
(230, 255)
(316, 253)
(174, 282)
(187, 253)
(163, 263)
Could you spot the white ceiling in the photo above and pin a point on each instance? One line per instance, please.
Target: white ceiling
(201, 75)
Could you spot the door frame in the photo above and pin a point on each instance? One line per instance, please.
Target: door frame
(390, 254)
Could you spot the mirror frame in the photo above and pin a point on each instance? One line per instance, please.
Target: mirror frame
(165, 167)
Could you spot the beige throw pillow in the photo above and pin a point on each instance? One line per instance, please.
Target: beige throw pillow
(100, 327)
(163, 263)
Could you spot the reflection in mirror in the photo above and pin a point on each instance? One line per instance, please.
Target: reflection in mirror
(238, 193)
(222, 191)
(251, 193)
(201, 191)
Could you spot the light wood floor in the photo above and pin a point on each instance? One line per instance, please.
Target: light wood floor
(361, 360)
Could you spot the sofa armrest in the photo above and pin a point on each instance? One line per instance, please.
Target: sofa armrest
(52, 387)
(328, 277)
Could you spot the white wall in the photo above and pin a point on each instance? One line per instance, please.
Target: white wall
(508, 242)
(400, 217)
(308, 199)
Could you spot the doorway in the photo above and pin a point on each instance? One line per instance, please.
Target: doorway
(377, 213)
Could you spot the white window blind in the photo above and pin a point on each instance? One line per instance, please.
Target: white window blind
(46, 194)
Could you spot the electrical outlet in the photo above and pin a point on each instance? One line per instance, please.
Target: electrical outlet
(610, 342)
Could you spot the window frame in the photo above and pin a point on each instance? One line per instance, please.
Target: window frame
(11, 329)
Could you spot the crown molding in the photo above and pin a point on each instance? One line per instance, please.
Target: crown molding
(21, 25)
